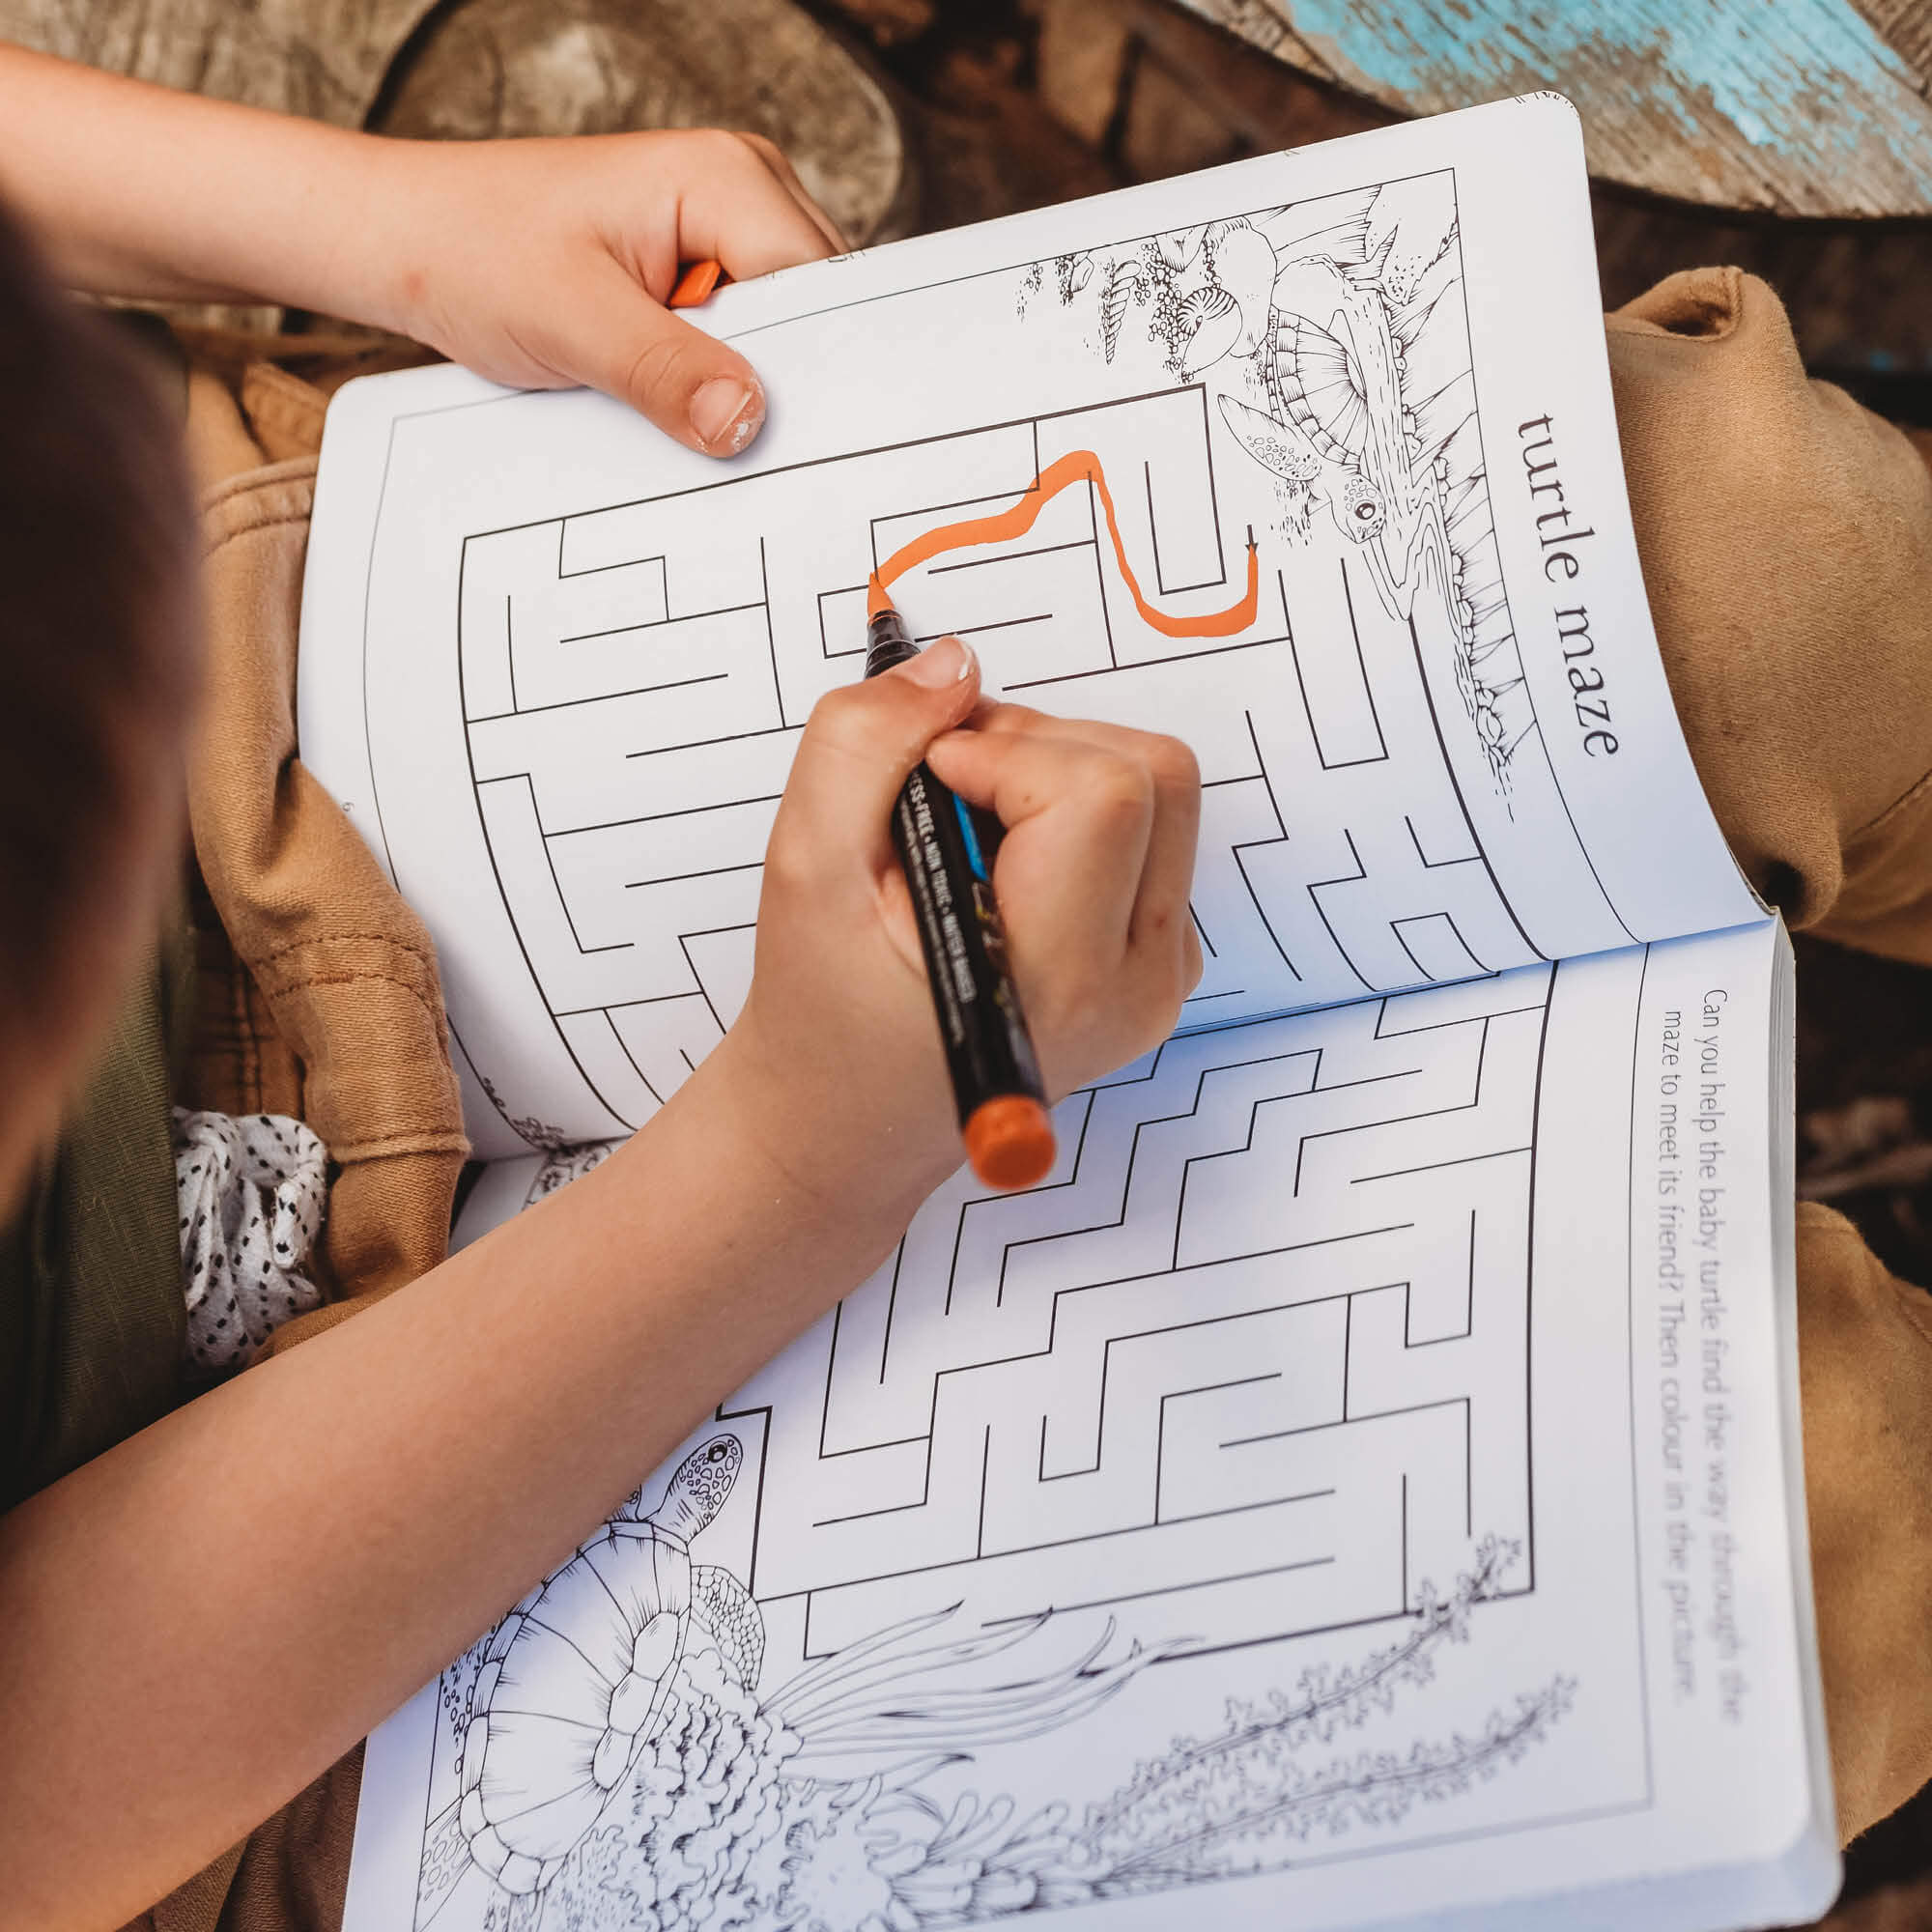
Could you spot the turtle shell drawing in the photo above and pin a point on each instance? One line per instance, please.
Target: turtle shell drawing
(577, 1678)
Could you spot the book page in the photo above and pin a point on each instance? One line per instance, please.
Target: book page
(1310, 460)
(1359, 1483)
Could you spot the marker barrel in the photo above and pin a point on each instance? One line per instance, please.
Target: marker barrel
(946, 848)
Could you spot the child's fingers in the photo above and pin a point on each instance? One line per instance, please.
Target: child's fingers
(857, 749)
(773, 157)
(610, 334)
(1082, 815)
(735, 208)
(1160, 906)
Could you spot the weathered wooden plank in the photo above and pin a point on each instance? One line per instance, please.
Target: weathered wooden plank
(321, 58)
(1907, 25)
(1794, 106)
(598, 66)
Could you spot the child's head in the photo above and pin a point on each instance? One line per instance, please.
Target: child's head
(97, 677)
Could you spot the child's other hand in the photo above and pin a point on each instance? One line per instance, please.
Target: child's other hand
(837, 1056)
(544, 264)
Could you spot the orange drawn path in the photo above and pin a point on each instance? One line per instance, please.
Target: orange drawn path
(1077, 466)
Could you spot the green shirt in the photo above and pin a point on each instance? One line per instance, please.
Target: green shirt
(92, 1319)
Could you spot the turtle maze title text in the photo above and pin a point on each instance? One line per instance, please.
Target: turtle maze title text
(1560, 539)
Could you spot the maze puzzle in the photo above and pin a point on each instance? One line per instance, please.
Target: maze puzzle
(634, 680)
(1252, 1363)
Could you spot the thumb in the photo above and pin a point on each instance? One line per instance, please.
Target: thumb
(858, 748)
(696, 389)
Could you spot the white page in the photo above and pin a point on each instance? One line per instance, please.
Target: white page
(554, 667)
(1324, 1322)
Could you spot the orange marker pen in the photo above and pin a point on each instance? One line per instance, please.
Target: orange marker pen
(946, 848)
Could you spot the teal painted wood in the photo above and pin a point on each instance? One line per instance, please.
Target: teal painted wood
(1798, 107)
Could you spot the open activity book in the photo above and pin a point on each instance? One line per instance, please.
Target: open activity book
(1362, 1482)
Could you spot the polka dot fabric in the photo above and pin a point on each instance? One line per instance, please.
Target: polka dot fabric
(252, 1194)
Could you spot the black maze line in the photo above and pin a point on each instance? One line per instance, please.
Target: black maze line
(1469, 1326)
(1346, 1296)
(1462, 804)
(1161, 584)
(1254, 844)
(1529, 1288)
(684, 939)
(1034, 1354)
(1396, 1120)
(1384, 1002)
(1463, 1402)
(1313, 891)
(1183, 1268)
(771, 636)
(1482, 971)
(1115, 663)
(661, 559)
(1429, 865)
(1328, 765)
(543, 840)
(652, 818)
(1155, 1519)
(632, 1058)
(1638, 1589)
(1158, 1590)
(489, 852)
(1389, 1000)
(1192, 1583)
(1030, 423)
(603, 697)
(1160, 1440)
(1009, 557)
(1100, 565)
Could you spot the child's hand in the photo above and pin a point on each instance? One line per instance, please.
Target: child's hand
(543, 264)
(546, 263)
(837, 1056)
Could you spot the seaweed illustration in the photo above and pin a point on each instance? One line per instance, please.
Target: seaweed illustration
(542, 1137)
(1230, 1803)
(1332, 337)
(564, 1164)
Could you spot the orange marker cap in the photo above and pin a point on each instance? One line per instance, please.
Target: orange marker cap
(1009, 1141)
(695, 284)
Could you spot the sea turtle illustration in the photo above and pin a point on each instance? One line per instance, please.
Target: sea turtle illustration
(575, 1680)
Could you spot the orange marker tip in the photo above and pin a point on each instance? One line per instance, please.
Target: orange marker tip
(1009, 1142)
(877, 599)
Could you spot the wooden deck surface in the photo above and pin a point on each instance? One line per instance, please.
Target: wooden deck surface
(1813, 107)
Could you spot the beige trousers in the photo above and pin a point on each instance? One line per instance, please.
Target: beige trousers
(1786, 537)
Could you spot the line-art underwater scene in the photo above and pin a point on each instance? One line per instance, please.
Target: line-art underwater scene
(1334, 337)
(620, 1763)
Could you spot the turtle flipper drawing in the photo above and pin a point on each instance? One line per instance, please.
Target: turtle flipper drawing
(576, 1681)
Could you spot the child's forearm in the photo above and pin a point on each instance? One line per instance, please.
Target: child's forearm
(201, 1619)
(140, 191)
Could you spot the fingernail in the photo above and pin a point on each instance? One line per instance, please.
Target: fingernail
(948, 661)
(725, 413)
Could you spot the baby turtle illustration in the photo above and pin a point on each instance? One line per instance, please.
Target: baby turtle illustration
(575, 1683)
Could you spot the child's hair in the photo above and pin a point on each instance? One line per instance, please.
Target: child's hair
(96, 658)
